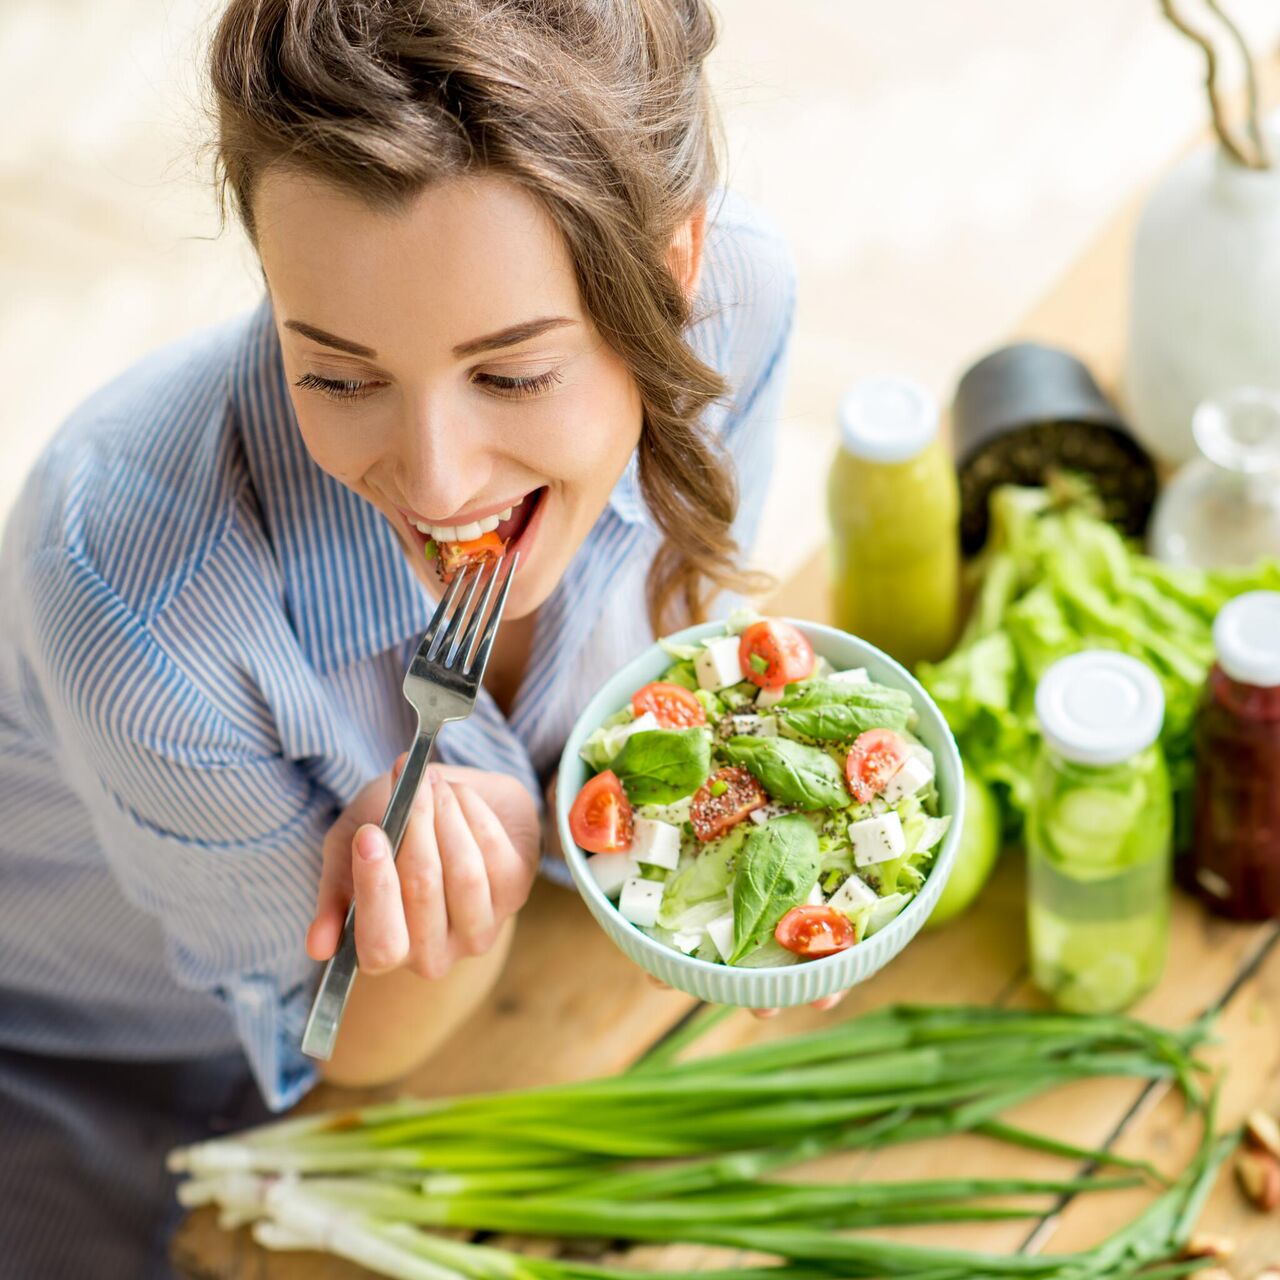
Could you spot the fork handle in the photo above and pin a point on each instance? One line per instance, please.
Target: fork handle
(321, 1031)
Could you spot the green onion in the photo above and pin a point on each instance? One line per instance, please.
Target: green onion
(678, 1150)
(718, 787)
(759, 664)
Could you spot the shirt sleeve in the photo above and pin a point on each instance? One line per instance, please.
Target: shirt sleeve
(216, 838)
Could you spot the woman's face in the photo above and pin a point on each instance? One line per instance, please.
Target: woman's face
(442, 366)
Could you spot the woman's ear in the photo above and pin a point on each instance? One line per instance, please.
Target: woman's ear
(685, 255)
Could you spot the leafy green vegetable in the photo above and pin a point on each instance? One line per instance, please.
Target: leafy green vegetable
(710, 704)
(706, 878)
(841, 721)
(1054, 580)
(819, 693)
(778, 867)
(605, 743)
(657, 766)
(681, 652)
(681, 673)
(790, 772)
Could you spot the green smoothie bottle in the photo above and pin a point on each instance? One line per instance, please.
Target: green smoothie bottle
(893, 505)
(1099, 834)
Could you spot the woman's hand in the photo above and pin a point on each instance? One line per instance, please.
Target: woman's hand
(466, 864)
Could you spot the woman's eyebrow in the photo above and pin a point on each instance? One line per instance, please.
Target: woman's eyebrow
(328, 339)
(507, 337)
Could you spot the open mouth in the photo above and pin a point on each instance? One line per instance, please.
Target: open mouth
(449, 556)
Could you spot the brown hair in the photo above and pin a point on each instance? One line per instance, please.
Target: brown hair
(600, 108)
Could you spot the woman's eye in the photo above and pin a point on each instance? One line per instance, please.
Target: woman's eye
(516, 387)
(335, 388)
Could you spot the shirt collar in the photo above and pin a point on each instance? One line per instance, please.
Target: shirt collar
(348, 586)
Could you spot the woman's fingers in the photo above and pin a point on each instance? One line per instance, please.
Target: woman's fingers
(510, 876)
(333, 896)
(466, 878)
(382, 937)
(422, 887)
(827, 1002)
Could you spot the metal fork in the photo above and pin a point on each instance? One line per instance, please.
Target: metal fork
(441, 685)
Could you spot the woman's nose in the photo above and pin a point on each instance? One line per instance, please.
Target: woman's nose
(445, 465)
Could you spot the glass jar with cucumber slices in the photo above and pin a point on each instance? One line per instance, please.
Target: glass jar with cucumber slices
(1099, 834)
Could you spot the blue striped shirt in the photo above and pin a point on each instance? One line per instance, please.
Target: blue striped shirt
(201, 662)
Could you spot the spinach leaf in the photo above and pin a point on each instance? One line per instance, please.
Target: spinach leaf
(790, 772)
(657, 766)
(821, 693)
(778, 867)
(841, 721)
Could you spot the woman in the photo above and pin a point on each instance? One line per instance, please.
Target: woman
(501, 284)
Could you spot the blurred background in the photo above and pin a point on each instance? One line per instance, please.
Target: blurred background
(936, 165)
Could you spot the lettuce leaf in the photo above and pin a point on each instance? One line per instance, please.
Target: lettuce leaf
(1056, 579)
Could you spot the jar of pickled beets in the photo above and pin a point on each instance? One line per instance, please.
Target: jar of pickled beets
(1235, 855)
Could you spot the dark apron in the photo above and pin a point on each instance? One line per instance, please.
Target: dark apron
(83, 1188)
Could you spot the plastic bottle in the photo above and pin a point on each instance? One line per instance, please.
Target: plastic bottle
(893, 506)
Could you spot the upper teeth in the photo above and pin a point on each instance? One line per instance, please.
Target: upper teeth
(462, 532)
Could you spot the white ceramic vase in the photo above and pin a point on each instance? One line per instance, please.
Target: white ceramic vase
(1205, 312)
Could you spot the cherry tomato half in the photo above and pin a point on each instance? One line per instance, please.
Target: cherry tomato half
(674, 706)
(814, 932)
(738, 794)
(600, 819)
(453, 555)
(772, 653)
(872, 760)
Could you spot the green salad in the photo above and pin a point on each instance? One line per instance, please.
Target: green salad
(754, 806)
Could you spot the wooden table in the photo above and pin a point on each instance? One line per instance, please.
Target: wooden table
(571, 1005)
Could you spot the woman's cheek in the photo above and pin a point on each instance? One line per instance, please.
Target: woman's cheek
(344, 444)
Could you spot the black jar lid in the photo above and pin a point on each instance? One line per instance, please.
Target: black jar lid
(1027, 411)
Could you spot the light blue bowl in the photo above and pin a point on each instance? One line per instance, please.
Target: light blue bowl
(789, 984)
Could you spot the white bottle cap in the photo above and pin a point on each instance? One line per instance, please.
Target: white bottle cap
(887, 419)
(1246, 635)
(1099, 707)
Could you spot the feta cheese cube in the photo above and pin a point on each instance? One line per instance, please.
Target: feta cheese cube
(657, 843)
(885, 910)
(612, 871)
(853, 895)
(753, 726)
(720, 931)
(766, 811)
(717, 666)
(877, 839)
(855, 675)
(641, 724)
(815, 898)
(770, 697)
(910, 777)
(640, 901)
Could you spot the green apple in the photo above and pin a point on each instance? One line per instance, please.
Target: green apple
(976, 855)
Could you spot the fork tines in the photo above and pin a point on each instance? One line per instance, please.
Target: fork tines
(449, 644)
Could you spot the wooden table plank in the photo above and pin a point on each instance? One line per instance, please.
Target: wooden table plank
(1249, 1026)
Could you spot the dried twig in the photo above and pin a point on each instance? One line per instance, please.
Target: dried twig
(1251, 83)
(1211, 81)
